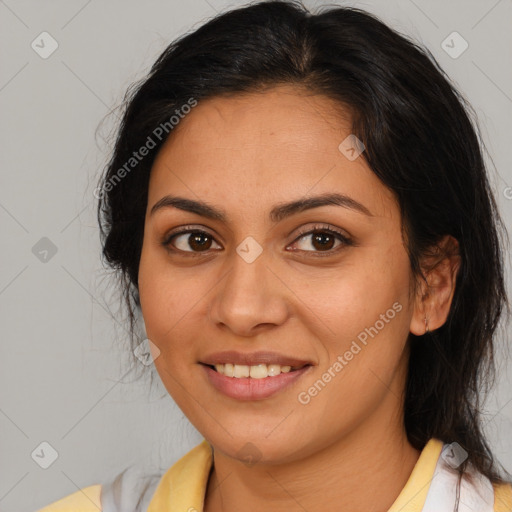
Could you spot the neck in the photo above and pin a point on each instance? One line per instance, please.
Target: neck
(367, 470)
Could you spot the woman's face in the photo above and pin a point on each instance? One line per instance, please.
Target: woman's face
(255, 284)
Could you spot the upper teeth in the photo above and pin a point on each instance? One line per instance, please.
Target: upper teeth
(259, 371)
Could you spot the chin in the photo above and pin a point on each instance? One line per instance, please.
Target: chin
(255, 448)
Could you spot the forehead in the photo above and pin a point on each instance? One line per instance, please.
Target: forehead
(279, 144)
(282, 114)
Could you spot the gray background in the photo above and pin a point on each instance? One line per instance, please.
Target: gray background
(63, 360)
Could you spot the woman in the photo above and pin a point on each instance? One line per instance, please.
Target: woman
(299, 207)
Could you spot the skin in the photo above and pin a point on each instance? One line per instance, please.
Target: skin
(347, 448)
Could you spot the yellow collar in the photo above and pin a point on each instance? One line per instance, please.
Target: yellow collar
(183, 486)
(412, 497)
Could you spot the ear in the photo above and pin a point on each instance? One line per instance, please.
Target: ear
(433, 300)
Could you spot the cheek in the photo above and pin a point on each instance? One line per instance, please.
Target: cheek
(161, 297)
(163, 303)
(363, 314)
(173, 307)
(366, 332)
(159, 289)
(353, 296)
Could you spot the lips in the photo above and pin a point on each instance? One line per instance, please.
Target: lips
(246, 380)
(248, 388)
(254, 359)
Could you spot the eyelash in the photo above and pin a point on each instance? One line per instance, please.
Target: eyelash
(166, 242)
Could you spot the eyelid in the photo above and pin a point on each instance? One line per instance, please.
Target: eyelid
(183, 230)
(346, 240)
(321, 227)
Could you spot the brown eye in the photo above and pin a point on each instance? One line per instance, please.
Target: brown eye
(322, 240)
(190, 241)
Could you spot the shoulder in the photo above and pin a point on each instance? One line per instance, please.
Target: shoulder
(143, 488)
(502, 497)
(87, 499)
(477, 492)
(129, 491)
(435, 484)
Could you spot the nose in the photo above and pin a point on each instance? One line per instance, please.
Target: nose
(250, 298)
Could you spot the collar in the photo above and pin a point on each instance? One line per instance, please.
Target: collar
(183, 486)
(414, 494)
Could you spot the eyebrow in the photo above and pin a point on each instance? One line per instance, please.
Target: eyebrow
(279, 212)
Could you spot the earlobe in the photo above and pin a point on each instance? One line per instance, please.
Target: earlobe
(433, 300)
(420, 321)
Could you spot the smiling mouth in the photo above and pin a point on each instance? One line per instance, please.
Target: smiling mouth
(259, 371)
